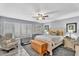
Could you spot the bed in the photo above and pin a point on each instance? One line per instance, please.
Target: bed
(52, 40)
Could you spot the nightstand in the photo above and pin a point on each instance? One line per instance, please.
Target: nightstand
(77, 48)
(69, 43)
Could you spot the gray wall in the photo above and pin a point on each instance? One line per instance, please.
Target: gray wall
(62, 24)
(19, 27)
(1, 25)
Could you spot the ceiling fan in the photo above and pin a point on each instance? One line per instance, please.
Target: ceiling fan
(43, 15)
(40, 14)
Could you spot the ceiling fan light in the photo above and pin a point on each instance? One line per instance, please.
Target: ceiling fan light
(39, 18)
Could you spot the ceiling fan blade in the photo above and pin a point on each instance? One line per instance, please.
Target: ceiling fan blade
(45, 16)
(51, 12)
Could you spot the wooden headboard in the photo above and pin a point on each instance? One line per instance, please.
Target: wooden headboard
(58, 32)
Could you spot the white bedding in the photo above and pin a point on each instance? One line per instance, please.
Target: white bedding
(55, 39)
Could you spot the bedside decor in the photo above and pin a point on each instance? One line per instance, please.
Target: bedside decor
(71, 27)
(46, 28)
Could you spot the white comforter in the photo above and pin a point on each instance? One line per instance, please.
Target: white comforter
(55, 39)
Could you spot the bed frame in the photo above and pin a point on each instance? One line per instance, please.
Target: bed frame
(51, 44)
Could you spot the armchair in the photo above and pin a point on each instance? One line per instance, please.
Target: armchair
(7, 43)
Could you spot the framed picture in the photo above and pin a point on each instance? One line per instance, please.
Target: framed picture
(46, 27)
(71, 27)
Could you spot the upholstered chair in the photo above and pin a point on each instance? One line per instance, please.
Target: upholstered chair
(7, 42)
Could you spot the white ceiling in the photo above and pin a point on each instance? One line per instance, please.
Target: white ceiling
(25, 11)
